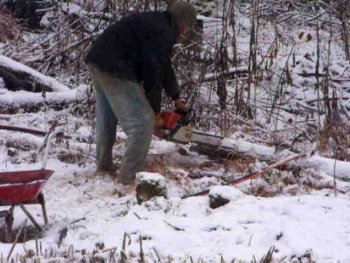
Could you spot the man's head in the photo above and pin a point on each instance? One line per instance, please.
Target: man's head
(184, 16)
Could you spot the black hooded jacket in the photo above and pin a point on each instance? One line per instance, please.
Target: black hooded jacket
(139, 47)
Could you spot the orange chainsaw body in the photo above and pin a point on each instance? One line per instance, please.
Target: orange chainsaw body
(174, 126)
(166, 120)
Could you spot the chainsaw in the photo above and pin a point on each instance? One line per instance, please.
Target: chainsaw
(176, 126)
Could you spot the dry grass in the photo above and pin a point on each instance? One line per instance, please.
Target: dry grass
(112, 255)
(334, 140)
(156, 163)
(239, 165)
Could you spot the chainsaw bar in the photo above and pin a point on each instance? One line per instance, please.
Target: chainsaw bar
(176, 126)
(205, 138)
(186, 134)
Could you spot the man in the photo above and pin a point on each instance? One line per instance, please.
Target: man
(133, 51)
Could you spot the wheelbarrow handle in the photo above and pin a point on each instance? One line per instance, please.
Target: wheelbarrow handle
(48, 145)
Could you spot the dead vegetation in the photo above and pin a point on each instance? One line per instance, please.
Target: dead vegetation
(111, 255)
(334, 139)
(9, 29)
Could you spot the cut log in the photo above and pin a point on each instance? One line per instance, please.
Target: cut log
(25, 87)
(239, 149)
(26, 78)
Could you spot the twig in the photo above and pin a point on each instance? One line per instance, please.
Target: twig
(37, 246)
(110, 249)
(64, 51)
(137, 216)
(175, 227)
(123, 256)
(298, 103)
(157, 254)
(334, 179)
(282, 259)
(250, 240)
(124, 241)
(268, 257)
(315, 18)
(16, 239)
(142, 257)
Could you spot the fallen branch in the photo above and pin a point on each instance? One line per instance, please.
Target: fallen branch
(229, 74)
(36, 81)
(238, 148)
(41, 89)
(252, 175)
(42, 133)
(269, 154)
(335, 79)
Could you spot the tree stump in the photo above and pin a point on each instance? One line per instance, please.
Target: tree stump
(222, 195)
(149, 185)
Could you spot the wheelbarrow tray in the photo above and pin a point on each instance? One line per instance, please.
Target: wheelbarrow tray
(22, 186)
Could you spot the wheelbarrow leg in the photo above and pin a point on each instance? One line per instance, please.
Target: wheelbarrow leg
(8, 215)
(41, 200)
(31, 217)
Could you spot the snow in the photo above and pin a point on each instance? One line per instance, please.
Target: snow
(297, 221)
(247, 226)
(239, 230)
(151, 178)
(227, 192)
(209, 19)
(23, 97)
(231, 70)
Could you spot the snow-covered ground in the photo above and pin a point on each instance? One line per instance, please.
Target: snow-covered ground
(313, 223)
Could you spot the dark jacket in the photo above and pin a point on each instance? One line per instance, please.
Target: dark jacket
(139, 47)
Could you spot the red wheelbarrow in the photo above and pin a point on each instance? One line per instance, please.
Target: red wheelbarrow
(24, 188)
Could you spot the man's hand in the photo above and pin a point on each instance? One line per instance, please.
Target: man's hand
(160, 123)
(181, 105)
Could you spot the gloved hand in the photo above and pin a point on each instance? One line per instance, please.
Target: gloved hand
(159, 124)
(181, 105)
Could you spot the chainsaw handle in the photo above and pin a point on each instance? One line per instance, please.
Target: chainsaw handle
(181, 105)
(187, 117)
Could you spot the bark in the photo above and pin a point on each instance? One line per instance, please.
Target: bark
(16, 80)
(28, 90)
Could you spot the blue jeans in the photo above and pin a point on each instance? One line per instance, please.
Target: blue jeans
(123, 101)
